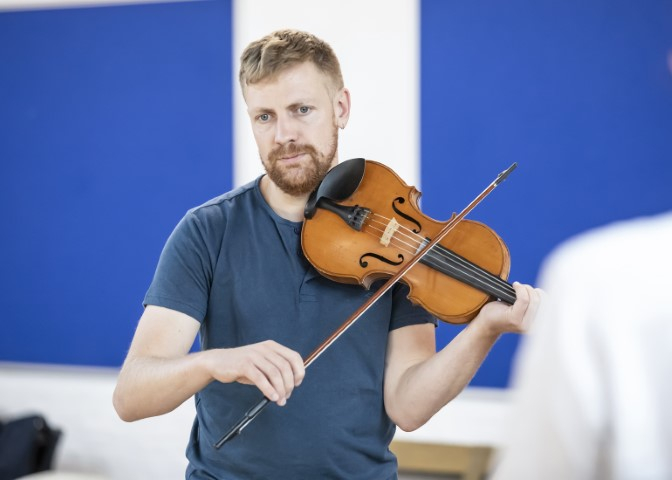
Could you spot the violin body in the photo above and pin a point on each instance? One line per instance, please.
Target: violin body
(394, 231)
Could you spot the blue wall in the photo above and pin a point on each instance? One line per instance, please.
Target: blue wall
(577, 92)
(114, 121)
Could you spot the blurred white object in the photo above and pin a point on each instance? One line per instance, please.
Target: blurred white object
(593, 378)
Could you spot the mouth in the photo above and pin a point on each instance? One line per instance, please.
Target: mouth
(295, 157)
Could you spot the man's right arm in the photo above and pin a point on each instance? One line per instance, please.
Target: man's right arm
(159, 373)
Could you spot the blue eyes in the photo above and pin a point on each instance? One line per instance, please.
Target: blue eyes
(266, 117)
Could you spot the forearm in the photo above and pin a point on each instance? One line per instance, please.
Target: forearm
(150, 386)
(426, 387)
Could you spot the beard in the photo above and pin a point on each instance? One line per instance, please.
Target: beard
(300, 179)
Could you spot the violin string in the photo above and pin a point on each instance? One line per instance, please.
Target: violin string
(448, 255)
(443, 256)
(457, 265)
(448, 259)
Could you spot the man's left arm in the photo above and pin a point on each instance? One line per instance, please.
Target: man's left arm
(419, 381)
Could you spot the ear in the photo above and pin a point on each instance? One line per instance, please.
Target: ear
(342, 107)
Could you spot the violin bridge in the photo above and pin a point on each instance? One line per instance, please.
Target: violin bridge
(389, 232)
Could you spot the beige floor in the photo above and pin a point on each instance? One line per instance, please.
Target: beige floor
(418, 476)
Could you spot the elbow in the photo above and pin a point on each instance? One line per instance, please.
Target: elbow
(122, 407)
(408, 421)
(408, 414)
(409, 424)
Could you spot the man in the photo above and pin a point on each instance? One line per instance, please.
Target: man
(233, 269)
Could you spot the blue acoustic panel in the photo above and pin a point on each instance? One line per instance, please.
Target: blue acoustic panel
(578, 93)
(113, 122)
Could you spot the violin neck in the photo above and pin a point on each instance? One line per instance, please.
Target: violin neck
(449, 263)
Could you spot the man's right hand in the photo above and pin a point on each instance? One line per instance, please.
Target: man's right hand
(273, 368)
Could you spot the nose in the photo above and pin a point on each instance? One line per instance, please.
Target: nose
(285, 130)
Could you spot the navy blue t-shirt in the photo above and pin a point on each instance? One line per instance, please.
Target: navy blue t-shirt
(236, 266)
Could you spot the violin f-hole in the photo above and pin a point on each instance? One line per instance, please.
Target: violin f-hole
(401, 200)
(364, 264)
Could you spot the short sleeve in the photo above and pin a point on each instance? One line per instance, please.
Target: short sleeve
(404, 312)
(184, 273)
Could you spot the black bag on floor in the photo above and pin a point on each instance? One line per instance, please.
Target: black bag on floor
(27, 445)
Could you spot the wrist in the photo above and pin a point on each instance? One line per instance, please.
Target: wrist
(480, 327)
(206, 364)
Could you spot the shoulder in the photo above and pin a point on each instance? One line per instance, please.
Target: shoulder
(223, 204)
(216, 212)
(209, 220)
(621, 244)
(626, 232)
(613, 271)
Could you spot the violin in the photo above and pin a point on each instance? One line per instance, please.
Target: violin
(363, 224)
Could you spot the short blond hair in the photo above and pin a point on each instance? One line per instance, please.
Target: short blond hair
(265, 58)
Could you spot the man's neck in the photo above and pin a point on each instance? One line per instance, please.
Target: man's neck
(287, 206)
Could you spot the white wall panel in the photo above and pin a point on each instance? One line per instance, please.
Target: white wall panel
(377, 44)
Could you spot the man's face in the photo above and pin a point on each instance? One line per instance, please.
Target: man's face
(294, 121)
